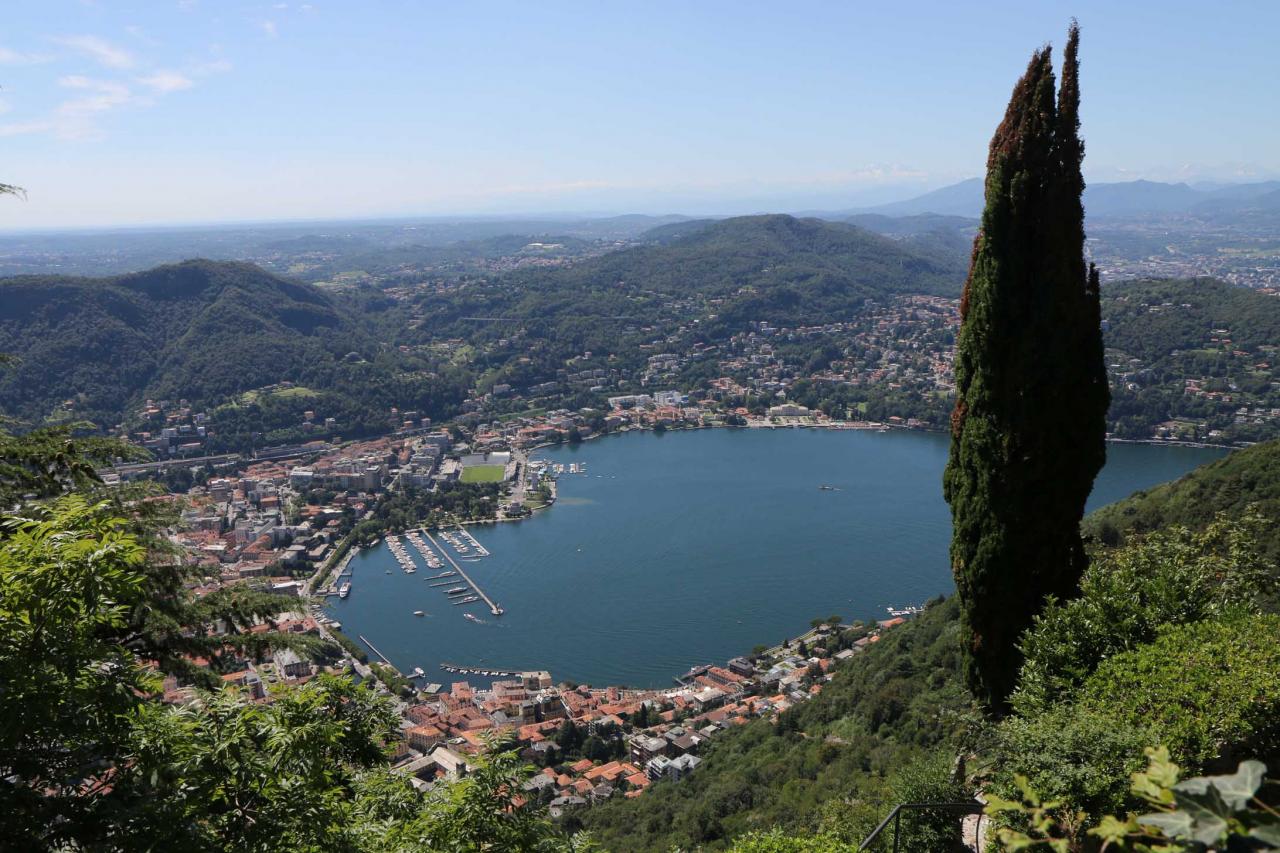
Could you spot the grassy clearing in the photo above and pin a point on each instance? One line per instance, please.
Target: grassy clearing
(483, 474)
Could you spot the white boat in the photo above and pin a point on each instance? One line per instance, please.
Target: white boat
(418, 672)
(418, 613)
(344, 590)
(471, 617)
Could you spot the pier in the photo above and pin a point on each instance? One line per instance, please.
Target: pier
(475, 546)
(493, 607)
(375, 650)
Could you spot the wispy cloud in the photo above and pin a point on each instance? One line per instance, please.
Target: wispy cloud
(164, 82)
(269, 27)
(216, 66)
(129, 82)
(22, 128)
(100, 50)
(14, 57)
(74, 118)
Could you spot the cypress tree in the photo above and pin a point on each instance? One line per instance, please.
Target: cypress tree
(1028, 429)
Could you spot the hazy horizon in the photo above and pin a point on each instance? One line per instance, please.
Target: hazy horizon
(195, 113)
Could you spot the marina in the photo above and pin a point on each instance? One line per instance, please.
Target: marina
(493, 606)
(401, 554)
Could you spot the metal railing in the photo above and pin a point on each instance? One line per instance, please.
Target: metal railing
(895, 817)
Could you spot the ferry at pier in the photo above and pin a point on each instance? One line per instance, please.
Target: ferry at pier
(344, 590)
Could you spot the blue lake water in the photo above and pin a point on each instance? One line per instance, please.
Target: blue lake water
(692, 547)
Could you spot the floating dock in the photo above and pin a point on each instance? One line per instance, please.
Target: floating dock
(476, 670)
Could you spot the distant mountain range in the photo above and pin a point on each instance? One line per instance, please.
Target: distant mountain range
(1131, 198)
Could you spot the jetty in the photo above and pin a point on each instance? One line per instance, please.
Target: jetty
(493, 607)
(475, 545)
(375, 650)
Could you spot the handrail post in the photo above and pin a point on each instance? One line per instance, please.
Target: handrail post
(895, 817)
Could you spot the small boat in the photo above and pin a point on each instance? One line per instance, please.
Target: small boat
(418, 672)
(344, 590)
(418, 613)
(471, 617)
(457, 590)
(826, 488)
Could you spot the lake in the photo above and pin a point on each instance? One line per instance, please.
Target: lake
(692, 547)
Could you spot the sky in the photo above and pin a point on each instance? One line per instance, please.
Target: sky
(116, 113)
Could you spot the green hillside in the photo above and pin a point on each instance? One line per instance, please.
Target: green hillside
(1151, 319)
(200, 330)
(1184, 349)
(1230, 485)
(775, 251)
(703, 281)
(775, 268)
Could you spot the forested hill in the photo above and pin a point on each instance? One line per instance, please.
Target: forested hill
(718, 257)
(1229, 485)
(209, 332)
(1192, 351)
(775, 268)
(1151, 319)
(199, 330)
(692, 285)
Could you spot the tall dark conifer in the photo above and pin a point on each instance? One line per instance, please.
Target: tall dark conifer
(1029, 424)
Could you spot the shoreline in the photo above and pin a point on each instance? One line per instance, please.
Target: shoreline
(836, 426)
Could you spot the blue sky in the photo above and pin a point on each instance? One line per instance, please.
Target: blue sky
(172, 111)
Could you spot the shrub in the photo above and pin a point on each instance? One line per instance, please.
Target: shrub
(1071, 755)
(1208, 691)
(1172, 577)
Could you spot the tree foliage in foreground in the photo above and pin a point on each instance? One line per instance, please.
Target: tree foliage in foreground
(1129, 594)
(1204, 814)
(1030, 415)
